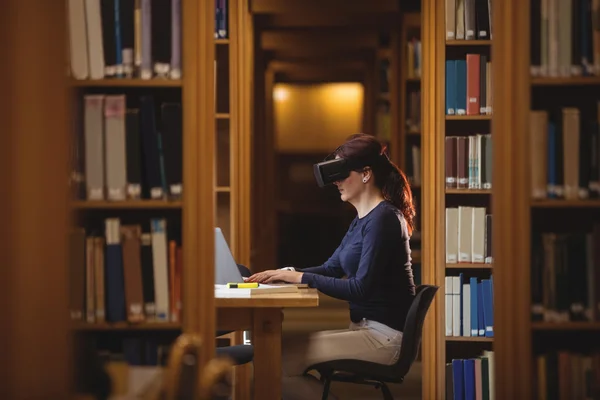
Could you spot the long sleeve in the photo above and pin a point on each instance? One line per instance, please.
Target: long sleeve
(332, 267)
(380, 237)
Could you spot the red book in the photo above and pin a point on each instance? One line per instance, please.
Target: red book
(473, 78)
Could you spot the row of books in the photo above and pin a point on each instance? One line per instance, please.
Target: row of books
(469, 86)
(383, 121)
(471, 378)
(565, 276)
(567, 375)
(414, 60)
(413, 164)
(468, 235)
(468, 161)
(125, 275)
(125, 39)
(564, 38)
(468, 19)
(384, 75)
(565, 147)
(413, 111)
(122, 152)
(469, 306)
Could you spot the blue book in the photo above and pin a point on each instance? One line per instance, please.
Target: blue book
(460, 295)
(474, 324)
(450, 87)
(115, 284)
(461, 87)
(480, 320)
(488, 307)
(458, 381)
(469, 378)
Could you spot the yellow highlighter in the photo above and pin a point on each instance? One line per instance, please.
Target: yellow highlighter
(248, 285)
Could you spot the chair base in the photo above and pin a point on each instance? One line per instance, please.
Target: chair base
(351, 378)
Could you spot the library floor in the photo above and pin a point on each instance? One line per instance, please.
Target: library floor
(409, 390)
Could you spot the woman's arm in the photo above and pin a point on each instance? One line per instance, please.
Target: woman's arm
(380, 237)
(331, 267)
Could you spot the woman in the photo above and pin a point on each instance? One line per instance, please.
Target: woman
(371, 268)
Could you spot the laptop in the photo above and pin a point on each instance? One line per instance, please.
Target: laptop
(226, 269)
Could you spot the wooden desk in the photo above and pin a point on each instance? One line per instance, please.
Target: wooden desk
(263, 316)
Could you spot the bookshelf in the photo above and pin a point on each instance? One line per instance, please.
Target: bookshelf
(561, 195)
(187, 145)
(457, 195)
(385, 94)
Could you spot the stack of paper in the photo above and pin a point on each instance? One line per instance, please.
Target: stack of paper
(224, 292)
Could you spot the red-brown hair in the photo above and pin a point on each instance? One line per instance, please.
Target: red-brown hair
(366, 150)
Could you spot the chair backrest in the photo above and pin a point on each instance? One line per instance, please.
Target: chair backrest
(413, 327)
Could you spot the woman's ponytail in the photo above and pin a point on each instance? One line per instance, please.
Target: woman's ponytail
(396, 190)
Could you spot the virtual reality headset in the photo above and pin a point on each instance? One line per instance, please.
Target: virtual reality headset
(333, 170)
(330, 171)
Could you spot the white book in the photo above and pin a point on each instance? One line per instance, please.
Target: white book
(465, 229)
(161, 274)
(115, 156)
(94, 146)
(478, 235)
(449, 298)
(466, 306)
(78, 41)
(451, 235)
(456, 306)
(95, 44)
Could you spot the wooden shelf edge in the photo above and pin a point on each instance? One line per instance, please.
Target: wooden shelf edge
(469, 266)
(469, 339)
(123, 326)
(565, 326)
(221, 41)
(561, 203)
(125, 82)
(128, 204)
(460, 42)
(565, 81)
(468, 191)
(479, 117)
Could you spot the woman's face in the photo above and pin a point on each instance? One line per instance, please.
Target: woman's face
(351, 187)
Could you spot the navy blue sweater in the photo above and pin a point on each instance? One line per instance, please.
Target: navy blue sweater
(374, 257)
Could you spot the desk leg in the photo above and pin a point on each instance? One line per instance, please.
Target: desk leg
(266, 338)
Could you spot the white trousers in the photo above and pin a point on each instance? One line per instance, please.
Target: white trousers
(366, 340)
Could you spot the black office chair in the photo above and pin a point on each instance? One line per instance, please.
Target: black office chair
(378, 375)
(241, 353)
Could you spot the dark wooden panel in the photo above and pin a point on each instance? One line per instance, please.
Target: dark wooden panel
(307, 7)
(330, 39)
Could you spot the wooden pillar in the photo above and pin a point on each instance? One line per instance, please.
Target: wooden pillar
(199, 202)
(34, 336)
(511, 104)
(432, 105)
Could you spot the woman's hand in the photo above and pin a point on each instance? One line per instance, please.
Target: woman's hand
(274, 275)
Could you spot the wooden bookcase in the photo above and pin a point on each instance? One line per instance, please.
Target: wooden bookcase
(214, 92)
(560, 298)
(440, 347)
